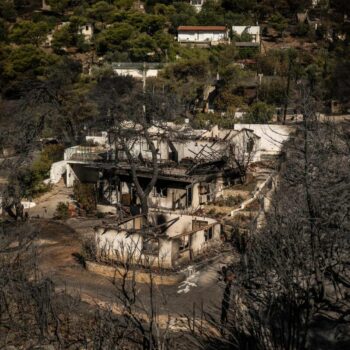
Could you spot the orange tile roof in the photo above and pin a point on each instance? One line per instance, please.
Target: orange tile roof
(203, 28)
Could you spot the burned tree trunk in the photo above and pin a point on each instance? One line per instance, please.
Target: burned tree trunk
(142, 193)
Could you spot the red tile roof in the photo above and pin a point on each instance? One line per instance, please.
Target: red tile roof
(203, 28)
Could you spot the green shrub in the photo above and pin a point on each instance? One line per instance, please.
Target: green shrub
(205, 120)
(62, 211)
(100, 215)
(259, 113)
(30, 178)
(30, 182)
(50, 154)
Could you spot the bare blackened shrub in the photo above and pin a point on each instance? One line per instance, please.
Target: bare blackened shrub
(89, 248)
(85, 194)
(294, 276)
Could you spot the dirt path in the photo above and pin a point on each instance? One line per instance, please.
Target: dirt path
(45, 205)
(57, 245)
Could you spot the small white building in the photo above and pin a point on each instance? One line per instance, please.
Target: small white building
(253, 31)
(210, 35)
(172, 240)
(271, 138)
(45, 6)
(197, 4)
(87, 31)
(97, 138)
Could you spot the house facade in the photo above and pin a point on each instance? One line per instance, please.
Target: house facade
(252, 31)
(87, 31)
(194, 166)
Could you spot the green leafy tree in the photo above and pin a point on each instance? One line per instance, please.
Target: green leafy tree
(162, 9)
(239, 5)
(7, 10)
(274, 62)
(165, 46)
(142, 48)
(28, 32)
(185, 15)
(149, 24)
(278, 22)
(226, 55)
(273, 92)
(28, 60)
(49, 155)
(58, 5)
(211, 14)
(123, 4)
(101, 11)
(231, 75)
(186, 70)
(259, 113)
(187, 79)
(116, 38)
(3, 30)
(228, 101)
(62, 211)
(64, 37)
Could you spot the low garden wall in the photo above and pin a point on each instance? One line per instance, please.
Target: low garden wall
(140, 276)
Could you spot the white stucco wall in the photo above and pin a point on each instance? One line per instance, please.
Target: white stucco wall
(200, 36)
(272, 136)
(120, 246)
(70, 176)
(87, 31)
(101, 139)
(173, 194)
(185, 224)
(57, 170)
(141, 146)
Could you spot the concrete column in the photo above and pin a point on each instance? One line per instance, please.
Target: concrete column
(71, 176)
(165, 253)
(195, 196)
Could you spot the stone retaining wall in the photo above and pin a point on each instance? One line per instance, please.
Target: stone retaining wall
(140, 276)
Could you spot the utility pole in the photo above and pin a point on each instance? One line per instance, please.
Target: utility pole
(288, 88)
(144, 78)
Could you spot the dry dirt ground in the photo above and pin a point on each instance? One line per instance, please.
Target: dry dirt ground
(46, 204)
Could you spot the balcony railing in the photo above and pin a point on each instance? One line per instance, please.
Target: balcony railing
(84, 153)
